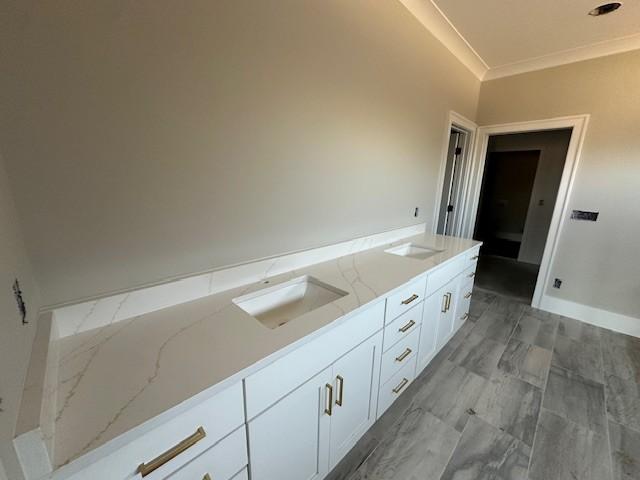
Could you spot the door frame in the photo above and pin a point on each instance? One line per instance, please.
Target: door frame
(578, 124)
(455, 120)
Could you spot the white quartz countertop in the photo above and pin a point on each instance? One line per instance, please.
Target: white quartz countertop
(115, 378)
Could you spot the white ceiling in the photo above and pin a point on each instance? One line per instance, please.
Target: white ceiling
(509, 36)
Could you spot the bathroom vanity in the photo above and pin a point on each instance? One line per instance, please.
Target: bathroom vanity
(273, 380)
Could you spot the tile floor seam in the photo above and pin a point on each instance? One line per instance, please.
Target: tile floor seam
(513, 330)
(531, 345)
(575, 374)
(606, 412)
(572, 422)
(544, 392)
(634, 430)
(453, 450)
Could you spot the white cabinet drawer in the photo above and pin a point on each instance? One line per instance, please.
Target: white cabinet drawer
(464, 301)
(466, 291)
(221, 462)
(395, 386)
(217, 417)
(399, 355)
(267, 386)
(444, 274)
(405, 298)
(402, 326)
(472, 256)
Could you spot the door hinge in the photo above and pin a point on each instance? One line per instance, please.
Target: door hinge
(449, 208)
(458, 150)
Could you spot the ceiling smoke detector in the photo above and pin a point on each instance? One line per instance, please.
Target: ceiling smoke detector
(604, 9)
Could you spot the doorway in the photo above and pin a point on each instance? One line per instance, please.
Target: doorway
(454, 175)
(520, 184)
(451, 188)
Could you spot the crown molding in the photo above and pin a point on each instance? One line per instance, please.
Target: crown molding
(434, 20)
(564, 57)
(439, 25)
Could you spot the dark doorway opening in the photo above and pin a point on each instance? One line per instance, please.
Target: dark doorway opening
(520, 184)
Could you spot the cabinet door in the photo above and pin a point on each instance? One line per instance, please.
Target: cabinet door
(290, 440)
(427, 347)
(355, 393)
(445, 319)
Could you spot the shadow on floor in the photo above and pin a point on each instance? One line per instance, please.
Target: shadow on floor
(506, 276)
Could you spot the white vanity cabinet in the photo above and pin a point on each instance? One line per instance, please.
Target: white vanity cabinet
(222, 461)
(296, 414)
(209, 438)
(290, 440)
(446, 308)
(428, 341)
(308, 430)
(355, 391)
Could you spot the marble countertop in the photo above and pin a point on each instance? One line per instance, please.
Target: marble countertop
(113, 379)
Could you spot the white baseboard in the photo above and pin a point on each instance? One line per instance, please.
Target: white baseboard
(592, 315)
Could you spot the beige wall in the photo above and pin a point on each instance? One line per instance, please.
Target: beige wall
(157, 138)
(15, 338)
(553, 147)
(599, 262)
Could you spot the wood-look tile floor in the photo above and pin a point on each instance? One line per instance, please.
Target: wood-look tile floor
(517, 394)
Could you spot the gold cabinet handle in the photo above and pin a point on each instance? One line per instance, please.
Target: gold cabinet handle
(340, 381)
(444, 303)
(404, 355)
(472, 274)
(329, 409)
(402, 384)
(146, 468)
(475, 257)
(468, 295)
(206, 477)
(448, 301)
(465, 316)
(407, 326)
(407, 301)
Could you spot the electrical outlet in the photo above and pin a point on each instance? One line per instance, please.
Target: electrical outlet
(415, 212)
(557, 283)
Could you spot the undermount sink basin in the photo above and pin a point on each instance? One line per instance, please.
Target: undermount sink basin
(278, 305)
(413, 251)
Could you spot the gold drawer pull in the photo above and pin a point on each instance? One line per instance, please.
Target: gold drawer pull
(206, 477)
(329, 410)
(146, 468)
(410, 299)
(448, 301)
(340, 381)
(475, 257)
(404, 355)
(403, 383)
(465, 316)
(444, 303)
(407, 326)
(468, 295)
